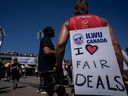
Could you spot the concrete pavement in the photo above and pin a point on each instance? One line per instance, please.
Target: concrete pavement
(26, 87)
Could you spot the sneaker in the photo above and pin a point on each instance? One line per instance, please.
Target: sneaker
(38, 91)
(44, 93)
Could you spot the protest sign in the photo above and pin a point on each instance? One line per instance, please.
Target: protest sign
(95, 67)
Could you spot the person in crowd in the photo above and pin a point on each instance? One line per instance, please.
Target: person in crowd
(23, 71)
(2, 68)
(15, 71)
(68, 68)
(125, 56)
(125, 62)
(46, 62)
(8, 72)
(36, 72)
(84, 20)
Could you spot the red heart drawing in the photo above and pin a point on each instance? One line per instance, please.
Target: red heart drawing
(91, 49)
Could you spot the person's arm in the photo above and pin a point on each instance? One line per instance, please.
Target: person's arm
(48, 51)
(117, 47)
(60, 47)
(46, 43)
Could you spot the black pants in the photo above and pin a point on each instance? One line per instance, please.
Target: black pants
(47, 82)
(15, 75)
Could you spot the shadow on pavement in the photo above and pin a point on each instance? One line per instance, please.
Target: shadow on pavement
(30, 84)
(5, 87)
(5, 90)
(26, 84)
(21, 86)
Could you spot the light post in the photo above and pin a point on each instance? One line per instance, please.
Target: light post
(39, 35)
(2, 35)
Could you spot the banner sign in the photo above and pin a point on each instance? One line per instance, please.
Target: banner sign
(27, 60)
(95, 67)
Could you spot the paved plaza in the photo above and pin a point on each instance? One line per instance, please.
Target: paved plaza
(26, 87)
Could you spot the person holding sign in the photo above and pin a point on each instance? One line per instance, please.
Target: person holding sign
(84, 20)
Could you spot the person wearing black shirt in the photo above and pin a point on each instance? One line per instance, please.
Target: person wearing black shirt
(2, 69)
(15, 71)
(46, 62)
(46, 58)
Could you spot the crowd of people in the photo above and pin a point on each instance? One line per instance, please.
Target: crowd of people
(13, 71)
(51, 58)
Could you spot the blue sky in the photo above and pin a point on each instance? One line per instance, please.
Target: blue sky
(22, 19)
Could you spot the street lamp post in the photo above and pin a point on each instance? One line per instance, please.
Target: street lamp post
(39, 35)
(2, 35)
